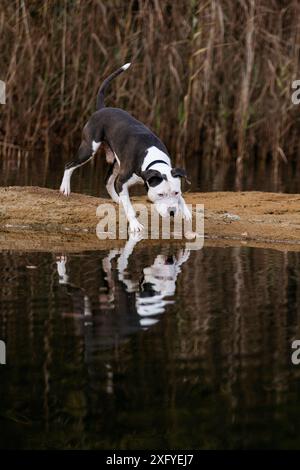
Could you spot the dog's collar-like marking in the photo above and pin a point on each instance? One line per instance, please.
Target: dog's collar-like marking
(154, 163)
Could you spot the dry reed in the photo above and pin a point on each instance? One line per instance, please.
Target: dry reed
(212, 78)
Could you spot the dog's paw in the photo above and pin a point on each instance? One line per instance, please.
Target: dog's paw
(187, 214)
(65, 190)
(135, 226)
(183, 255)
(61, 259)
(62, 269)
(136, 236)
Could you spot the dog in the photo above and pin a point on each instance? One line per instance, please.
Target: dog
(135, 155)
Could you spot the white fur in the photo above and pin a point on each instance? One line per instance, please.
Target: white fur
(146, 322)
(135, 179)
(184, 209)
(61, 270)
(170, 188)
(162, 276)
(126, 66)
(110, 186)
(95, 146)
(134, 224)
(65, 186)
(153, 153)
(167, 194)
(116, 157)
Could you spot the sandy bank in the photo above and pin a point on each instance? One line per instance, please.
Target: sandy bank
(42, 219)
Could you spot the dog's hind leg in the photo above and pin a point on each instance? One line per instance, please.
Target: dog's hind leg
(112, 173)
(110, 182)
(185, 210)
(85, 153)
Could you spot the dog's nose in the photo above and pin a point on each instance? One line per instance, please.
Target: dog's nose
(172, 211)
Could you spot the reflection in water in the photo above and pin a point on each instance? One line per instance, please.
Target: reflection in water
(150, 347)
(154, 284)
(148, 292)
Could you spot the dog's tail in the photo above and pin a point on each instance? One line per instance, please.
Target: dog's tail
(102, 89)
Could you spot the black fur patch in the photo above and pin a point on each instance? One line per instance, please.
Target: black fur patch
(178, 172)
(153, 177)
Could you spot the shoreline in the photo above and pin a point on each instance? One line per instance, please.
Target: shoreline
(41, 219)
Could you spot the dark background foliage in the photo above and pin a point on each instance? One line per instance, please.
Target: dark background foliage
(211, 78)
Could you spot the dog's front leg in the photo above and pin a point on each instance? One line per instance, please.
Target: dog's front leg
(185, 210)
(183, 256)
(62, 270)
(126, 252)
(134, 224)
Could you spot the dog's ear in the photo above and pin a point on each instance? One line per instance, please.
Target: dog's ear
(179, 173)
(153, 177)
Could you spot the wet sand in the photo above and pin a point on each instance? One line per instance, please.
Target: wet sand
(42, 219)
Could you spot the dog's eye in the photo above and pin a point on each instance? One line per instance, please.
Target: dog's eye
(176, 193)
(160, 194)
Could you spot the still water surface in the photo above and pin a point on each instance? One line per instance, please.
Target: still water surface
(147, 348)
(31, 170)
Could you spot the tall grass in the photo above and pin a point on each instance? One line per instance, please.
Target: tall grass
(212, 78)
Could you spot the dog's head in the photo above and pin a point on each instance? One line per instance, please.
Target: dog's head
(160, 278)
(164, 189)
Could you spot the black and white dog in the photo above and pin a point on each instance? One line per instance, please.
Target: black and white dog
(135, 154)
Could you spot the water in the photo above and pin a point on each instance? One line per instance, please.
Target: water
(33, 169)
(161, 348)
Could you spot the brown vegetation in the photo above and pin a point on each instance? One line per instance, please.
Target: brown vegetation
(212, 78)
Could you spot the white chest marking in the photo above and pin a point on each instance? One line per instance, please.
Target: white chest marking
(95, 146)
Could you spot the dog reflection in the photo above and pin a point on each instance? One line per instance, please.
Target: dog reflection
(157, 282)
(126, 305)
(129, 302)
(81, 301)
